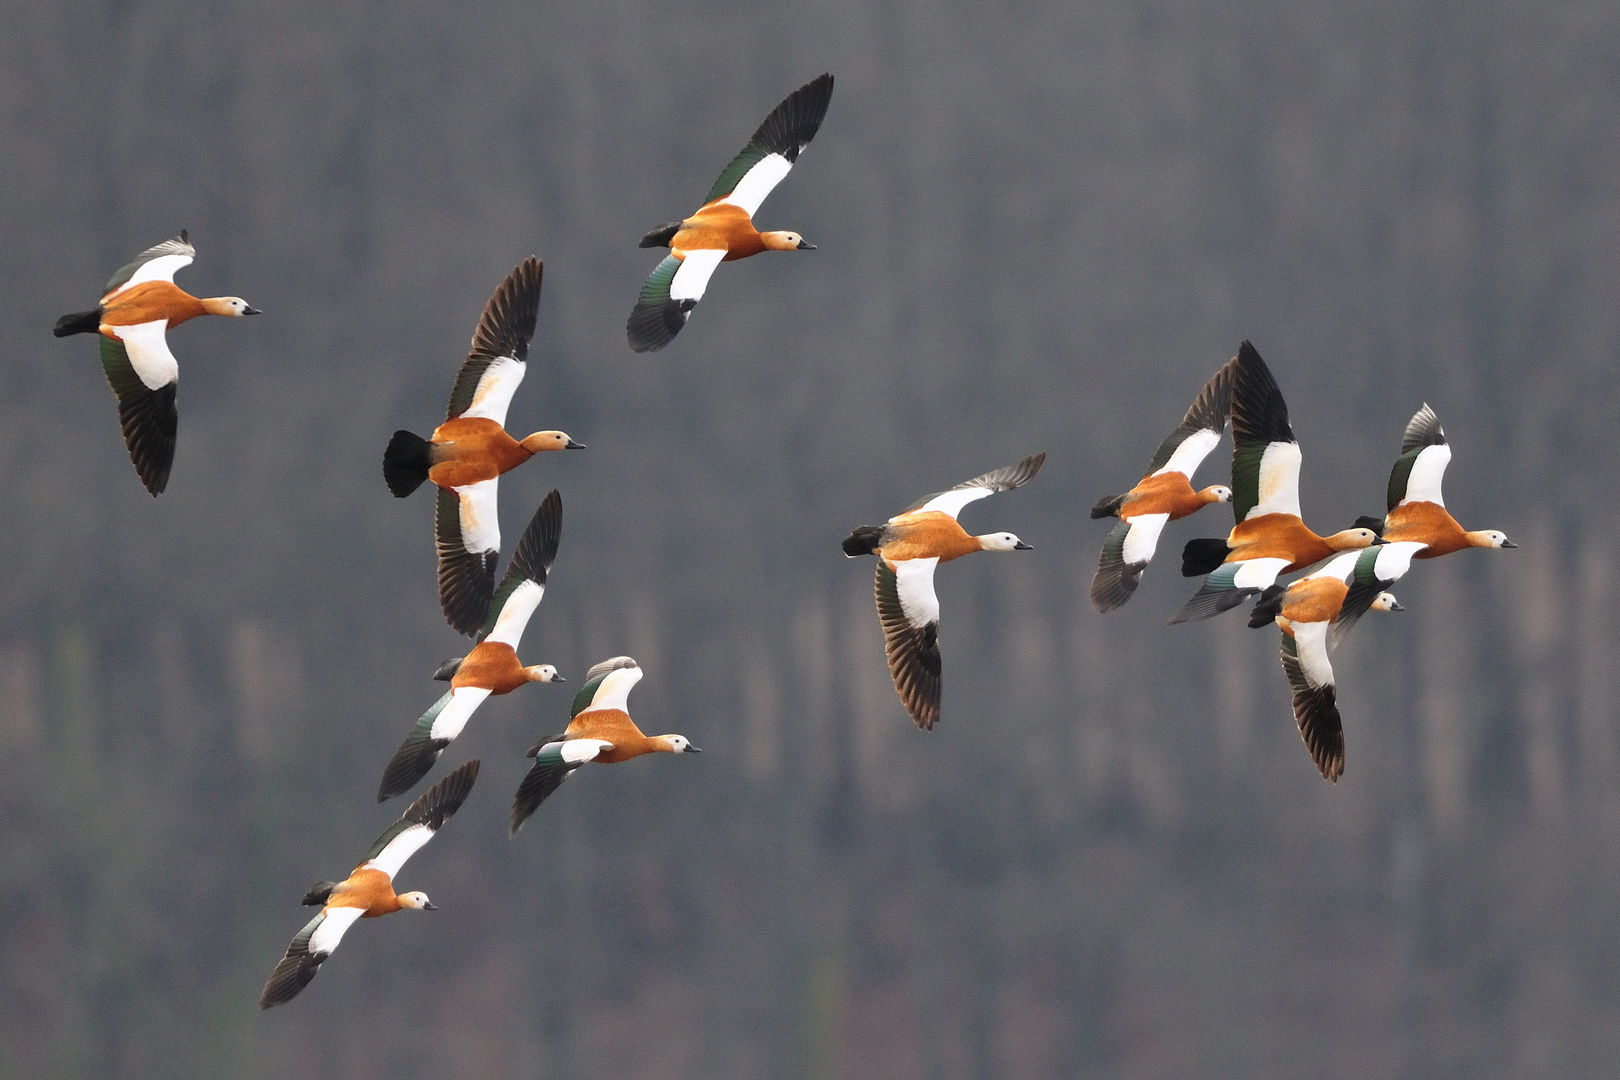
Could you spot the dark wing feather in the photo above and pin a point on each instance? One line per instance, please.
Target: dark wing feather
(505, 329)
(543, 778)
(656, 318)
(1364, 589)
(786, 131)
(1002, 479)
(466, 578)
(1207, 413)
(148, 417)
(1317, 714)
(913, 652)
(180, 245)
(1259, 418)
(1423, 430)
(533, 558)
(1116, 580)
(296, 968)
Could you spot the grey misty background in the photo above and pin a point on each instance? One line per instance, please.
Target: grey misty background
(1039, 227)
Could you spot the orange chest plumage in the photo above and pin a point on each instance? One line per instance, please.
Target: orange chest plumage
(492, 666)
(927, 534)
(1168, 493)
(148, 302)
(1315, 600)
(1276, 536)
(1427, 523)
(616, 727)
(468, 450)
(368, 889)
(719, 225)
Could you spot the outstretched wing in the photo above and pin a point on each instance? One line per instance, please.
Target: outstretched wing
(308, 951)
(1265, 454)
(667, 299)
(500, 347)
(1004, 479)
(770, 154)
(1185, 448)
(436, 729)
(1310, 677)
(144, 375)
(1125, 554)
(467, 535)
(1419, 470)
(157, 263)
(420, 821)
(909, 613)
(525, 581)
(554, 762)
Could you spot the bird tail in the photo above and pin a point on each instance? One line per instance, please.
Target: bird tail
(80, 322)
(319, 893)
(1268, 607)
(1203, 556)
(406, 462)
(864, 541)
(1366, 521)
(1108, 506)
(661, 236)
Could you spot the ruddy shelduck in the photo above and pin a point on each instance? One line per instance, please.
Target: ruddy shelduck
(1417, 509)
(600, 730)
(1270, 538)
(723, 230)
(1314, 614)
(467, 454)
(1164, 495)
(369, 891)
(493, 667)
(908, 548)
(137, 308)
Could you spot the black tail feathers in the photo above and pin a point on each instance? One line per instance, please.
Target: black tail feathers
(406, 463)
(1203, 556)
(1108, 506)
(1268, 607)
(319, 893)
(863, 541)
(1376, 524)
(80, 322)
(661, 236)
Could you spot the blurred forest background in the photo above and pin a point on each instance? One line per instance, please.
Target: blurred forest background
(1040, 226)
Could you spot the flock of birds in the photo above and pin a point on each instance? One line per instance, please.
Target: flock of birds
(466, 455)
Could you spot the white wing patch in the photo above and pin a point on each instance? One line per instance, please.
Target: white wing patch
(914, 580)
(495, 389)
(759, 182)
(464, 701)
(337, 922)
(614, 691)
(162, 268)
(1394, 560)
(1279, 481)
(1428, 469)
(515, 613)
(692, 277)
(148, 349)
(480, 517)
(1143, 539)
(1341, 566)
(951, 502)
(1310, 642)
(1191, 453)
(1258, 573)
(577, 750)
(407, 843)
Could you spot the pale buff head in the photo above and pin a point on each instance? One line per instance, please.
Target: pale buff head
(1351, 539)
(783, 240)
(230, 306)
(677, 744)
(550, 440)
(1489, 538)
(1003, 541)
(415, 901)
(1216, 493)
(542, 673)
(1385, 602)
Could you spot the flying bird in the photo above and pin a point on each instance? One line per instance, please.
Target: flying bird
(137, 308)
(908, 548)
(1165, 494)
(1270, 538)
(467, 454)
(600, 730)
(722, 230)
(1417, 510)
(1314, 614)
(369, 891)
(493, 666)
